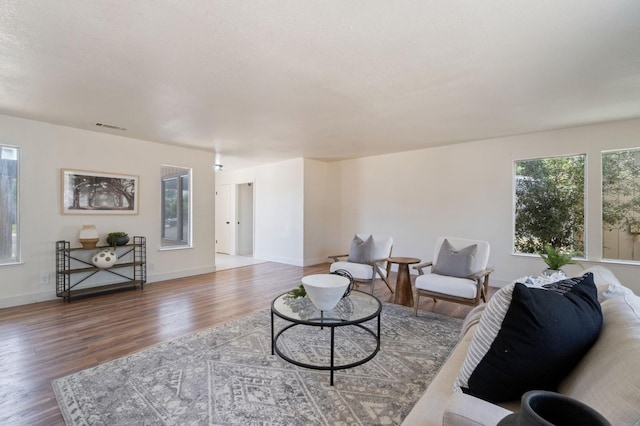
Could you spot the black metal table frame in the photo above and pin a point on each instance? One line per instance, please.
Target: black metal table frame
(325, 322)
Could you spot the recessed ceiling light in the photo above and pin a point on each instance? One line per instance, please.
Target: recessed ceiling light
(110, 126)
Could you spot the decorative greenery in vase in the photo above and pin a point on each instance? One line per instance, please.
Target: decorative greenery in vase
(556, 259)
(298, 292)
(117, 239)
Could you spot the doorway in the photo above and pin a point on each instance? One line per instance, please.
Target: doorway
(244, 219)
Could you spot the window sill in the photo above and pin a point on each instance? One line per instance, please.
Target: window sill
(18, 262)
(586, 260)
(170, 248)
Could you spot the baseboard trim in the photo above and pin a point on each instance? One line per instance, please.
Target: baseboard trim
(43, 296)
(26, 299)
(285, 260)
(179, 274)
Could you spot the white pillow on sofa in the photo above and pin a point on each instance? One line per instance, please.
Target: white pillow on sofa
(606, 283)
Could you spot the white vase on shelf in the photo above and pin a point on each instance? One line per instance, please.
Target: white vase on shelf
(89, 236)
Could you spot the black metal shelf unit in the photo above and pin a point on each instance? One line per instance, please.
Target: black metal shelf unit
(74, 269)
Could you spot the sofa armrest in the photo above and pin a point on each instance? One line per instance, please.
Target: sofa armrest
(467, 410)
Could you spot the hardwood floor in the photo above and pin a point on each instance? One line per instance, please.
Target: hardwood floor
(43, 341)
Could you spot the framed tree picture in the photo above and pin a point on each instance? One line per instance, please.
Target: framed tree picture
(85, 192)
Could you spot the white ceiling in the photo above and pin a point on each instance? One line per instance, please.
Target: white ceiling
(262, 81)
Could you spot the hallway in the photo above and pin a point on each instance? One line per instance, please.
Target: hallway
(226, 261)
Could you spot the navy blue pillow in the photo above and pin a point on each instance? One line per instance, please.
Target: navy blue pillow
(543, 336)
(563, 286)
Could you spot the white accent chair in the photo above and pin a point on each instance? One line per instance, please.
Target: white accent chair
(469, 287)
(378, 265)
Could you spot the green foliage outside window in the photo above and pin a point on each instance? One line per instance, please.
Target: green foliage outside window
(621, 204)
(549, 204)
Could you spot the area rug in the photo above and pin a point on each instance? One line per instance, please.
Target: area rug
(226, 375)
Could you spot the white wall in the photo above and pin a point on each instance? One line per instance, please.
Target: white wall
(317, 205)
(291, 209)
(45, 149)
(279, 214)
(466, 190)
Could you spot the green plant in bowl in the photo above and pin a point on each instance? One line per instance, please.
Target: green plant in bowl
(556, 259)
(117, 238)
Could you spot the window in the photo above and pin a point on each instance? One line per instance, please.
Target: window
(9, 230)
(549, 204)
(176, 207)
(621, 204)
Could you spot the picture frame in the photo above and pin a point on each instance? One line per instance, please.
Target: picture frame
(95, 193)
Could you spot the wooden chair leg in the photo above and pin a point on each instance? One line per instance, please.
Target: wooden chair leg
(482, 288)
(415, 304)
(383, 277)
(386, 281)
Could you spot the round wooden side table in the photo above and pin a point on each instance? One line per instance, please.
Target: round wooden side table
(404, 292)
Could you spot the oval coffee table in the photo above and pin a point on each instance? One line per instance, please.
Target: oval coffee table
(351, 311)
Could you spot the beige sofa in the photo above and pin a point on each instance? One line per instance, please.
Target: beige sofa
(607, 378)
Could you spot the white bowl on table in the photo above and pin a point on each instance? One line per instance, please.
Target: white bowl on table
(325, 290)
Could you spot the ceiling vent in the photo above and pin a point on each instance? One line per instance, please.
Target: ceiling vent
(110, 126)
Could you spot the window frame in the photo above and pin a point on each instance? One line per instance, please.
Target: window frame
(17, 258)
(603, 256)
(514, 182)
(179, 242)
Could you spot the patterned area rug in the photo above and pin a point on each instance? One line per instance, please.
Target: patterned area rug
(226, 375)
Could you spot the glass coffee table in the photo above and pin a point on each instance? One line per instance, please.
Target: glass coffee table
(352, 311)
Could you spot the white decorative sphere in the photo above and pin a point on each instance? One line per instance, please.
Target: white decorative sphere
(105, 258)
(325, 290)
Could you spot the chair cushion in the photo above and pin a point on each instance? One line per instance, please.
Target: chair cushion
(455, 263)
(541, 338)
(361, 251)
(358, 271)
(452, 286)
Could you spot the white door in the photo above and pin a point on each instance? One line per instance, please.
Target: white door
(223, 219)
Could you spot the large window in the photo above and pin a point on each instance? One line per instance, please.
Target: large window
(549, 204)
(621, 204)
(176, 207)
(9, 230)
